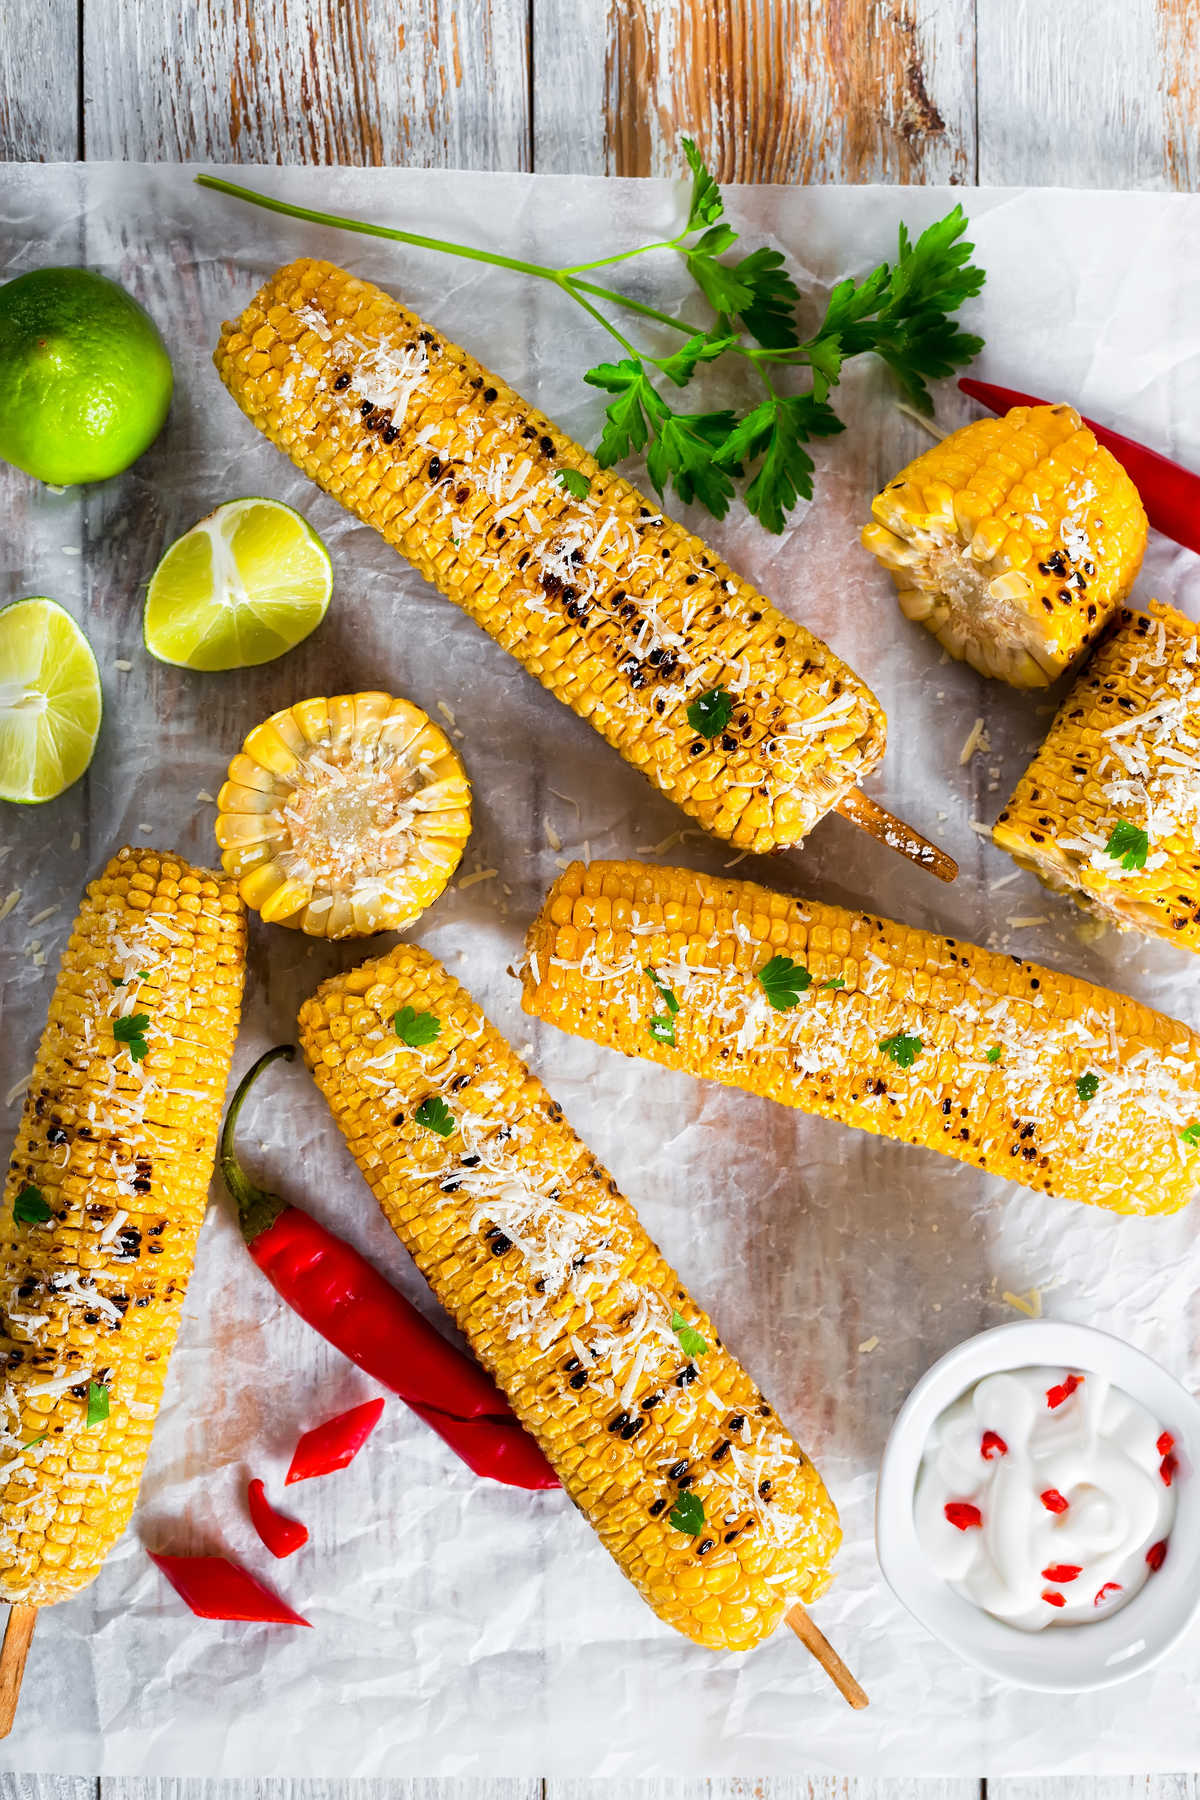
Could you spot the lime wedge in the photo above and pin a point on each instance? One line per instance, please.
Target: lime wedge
(50, 701)
(247, 583)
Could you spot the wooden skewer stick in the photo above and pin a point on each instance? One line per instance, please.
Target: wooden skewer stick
(815, 1640)
(887, 829)
(18, 1635)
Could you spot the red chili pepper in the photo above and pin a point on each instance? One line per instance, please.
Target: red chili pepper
(335, 1444)
(216, 1588)
(1056, 1395)
(1053, 1599)
(1170, 493)
(1165, 1444)
(1062, 1572)
(962, 1514)
(346, 1299)
(992, 1445)
(1156, 1555)
(1110, 1587)
(1054, 1502)
(1167, 1468)
(281, 1535)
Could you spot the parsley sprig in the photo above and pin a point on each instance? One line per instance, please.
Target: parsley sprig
(435, 1115)
(416, 1029)
(691, 1341)
(1128, 844)
(903, 312)
(131, 1032)
(662, 1025)
(783, 981)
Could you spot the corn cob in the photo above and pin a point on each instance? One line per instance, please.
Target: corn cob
(694, 1485)
(1108, 811)
(346, 816)
(1013, 541)
(1025, 1072)
(104, 1199)
(735, 712)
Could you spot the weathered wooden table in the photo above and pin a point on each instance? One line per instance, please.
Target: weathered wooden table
(1096, 93)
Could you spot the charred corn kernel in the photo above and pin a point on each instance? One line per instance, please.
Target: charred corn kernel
(1013, 541)
(619, 612)
(1108, 811)
(692, 1482)
(1029, 1074)
(345, 816)
(102, 1206)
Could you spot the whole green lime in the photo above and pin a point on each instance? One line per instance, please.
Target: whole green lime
(85, 379)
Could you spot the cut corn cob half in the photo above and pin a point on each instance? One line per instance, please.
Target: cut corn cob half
(692, 1482)
(738, 714)
(1029, 1074)
(343, 817)
(1108, 811)
(102, 1206)
(1013, 541)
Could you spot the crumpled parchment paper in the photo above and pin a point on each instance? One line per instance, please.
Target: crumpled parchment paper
(459, 1626)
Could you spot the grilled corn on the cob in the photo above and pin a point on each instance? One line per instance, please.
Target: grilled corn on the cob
(345, 816)
(1108, 811)
(1030, 1074)
(1013, 541)
(102, 1206)
(694, 1485)
(738, 714)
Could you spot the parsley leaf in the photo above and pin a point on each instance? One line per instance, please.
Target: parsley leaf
(97, 1403)
(771, 315)
(435, 1115)
(120, 980)
(1191, 1135)
(783, 981)
(690, 1340)
(687, 1514)
(902, 1049)
(994, 1054)
(573, 482)
(776, 432)
(662, 1029)
(30, 1208)
(416, 1029)
(633, 415)
(683, 453)
(727, 291)
(1128, 843)
(131, 1031)
(706, 204)
(682, 365)
(835, 981)
(1087, 1087)
(711, 713)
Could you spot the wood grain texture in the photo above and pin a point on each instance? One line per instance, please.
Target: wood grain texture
(39, 81)
(1179, 57)
(772, 90)
(310, 81)
(778, 1787)
(394, 1788)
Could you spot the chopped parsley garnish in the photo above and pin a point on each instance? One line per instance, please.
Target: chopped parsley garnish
(663, 989)
(1191, 1135)
(783, 981)
(835, 981)
(34, 1442)
(30, 1208)
(416, 1029)
(1128, 844)
(120, 980)
(1087, 1087)
(902, 1049)
(573, 482)
(711, 713)
(131, 1031)
(994, 1054)
(97, 1403)
(690, 1340)
(662, 1029)
(435, 1115)
(687, 1514)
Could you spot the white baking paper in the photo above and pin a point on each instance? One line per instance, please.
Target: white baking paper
(459, 1626)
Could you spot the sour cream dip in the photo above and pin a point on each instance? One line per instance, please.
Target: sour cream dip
(1046, 1496)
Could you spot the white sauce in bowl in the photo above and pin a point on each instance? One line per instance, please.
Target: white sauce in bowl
(1046, 1497)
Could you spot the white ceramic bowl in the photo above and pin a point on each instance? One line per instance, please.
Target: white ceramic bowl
(1062, 1659)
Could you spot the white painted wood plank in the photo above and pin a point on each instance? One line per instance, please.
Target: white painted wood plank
(397, 1788)
(1096, 1787)
(311, 81)
(778, 1787)
(38, 80)
(48, 1787)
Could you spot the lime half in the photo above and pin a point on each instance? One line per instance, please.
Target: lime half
(247, 583)
(50, 701)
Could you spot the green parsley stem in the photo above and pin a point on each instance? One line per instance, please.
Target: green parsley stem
(604, 262)
(575, 288)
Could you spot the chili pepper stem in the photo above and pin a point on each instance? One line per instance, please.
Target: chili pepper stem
(257, 1209)
(18, 1635)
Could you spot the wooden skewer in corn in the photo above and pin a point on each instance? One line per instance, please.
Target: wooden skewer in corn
(887, 829)
(18, 1635)
(814, 1640)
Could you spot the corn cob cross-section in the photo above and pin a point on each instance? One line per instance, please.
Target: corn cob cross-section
(689, 1477)
(1029, 1074)
(1108, 811)
(1013, 541)
(104, 1199)
(619, 612)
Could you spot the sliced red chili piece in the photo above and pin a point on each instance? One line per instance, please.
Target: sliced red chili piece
(1053, 1501)
(1156, 1555)
(1063, 1391)
(335, 1444)
(1062, 1572)
(1110, 1587)
(1053, 1599)
(962, 1514)
(216, 1588)
(1165, 1444)
(1167, 1468)
(992, 1444)
(281, 1535)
